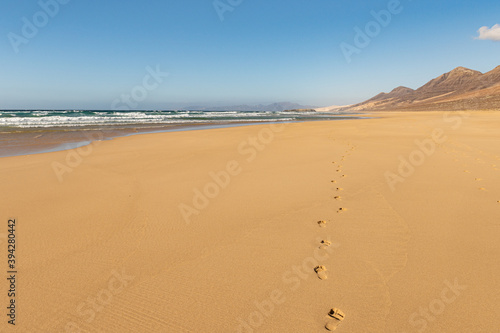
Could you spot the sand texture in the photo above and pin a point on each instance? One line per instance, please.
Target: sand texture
(392, 222)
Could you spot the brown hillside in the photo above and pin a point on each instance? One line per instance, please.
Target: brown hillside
(459, 89)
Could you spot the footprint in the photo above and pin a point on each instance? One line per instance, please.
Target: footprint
(325, 244)
(467, 171)
(335, 317)
(341, 210)
(321, 272)
(482, 189)
(340, 189)
(334, 181)
(337, 197)
(344, 175)
(478, 179)
(322, 224)
(338, 170)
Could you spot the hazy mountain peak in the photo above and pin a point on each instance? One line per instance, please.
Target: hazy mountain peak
(280, 106)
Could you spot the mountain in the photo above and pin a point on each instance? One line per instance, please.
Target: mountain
(459, 89)
(271, 107)
(398, 92)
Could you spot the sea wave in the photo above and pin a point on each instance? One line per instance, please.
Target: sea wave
(78, 118)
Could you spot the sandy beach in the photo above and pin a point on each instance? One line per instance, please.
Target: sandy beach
(394, 220)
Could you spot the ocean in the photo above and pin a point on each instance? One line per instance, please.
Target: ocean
(16, 119)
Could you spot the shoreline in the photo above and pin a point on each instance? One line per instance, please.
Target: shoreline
(21, 141)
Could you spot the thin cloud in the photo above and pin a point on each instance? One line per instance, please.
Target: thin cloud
(492, 33)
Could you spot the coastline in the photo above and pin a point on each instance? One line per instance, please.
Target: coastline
(217, 230)
(28, 141)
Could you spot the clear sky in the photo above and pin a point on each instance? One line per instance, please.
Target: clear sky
(89, 53)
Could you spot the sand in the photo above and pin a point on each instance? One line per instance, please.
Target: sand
(218, 230)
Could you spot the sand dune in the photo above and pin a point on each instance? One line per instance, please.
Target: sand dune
(217, 230)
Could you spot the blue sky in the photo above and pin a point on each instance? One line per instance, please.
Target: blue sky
(89, 53)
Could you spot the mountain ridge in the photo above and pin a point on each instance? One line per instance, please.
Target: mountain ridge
(279, 106)
(459, 89)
